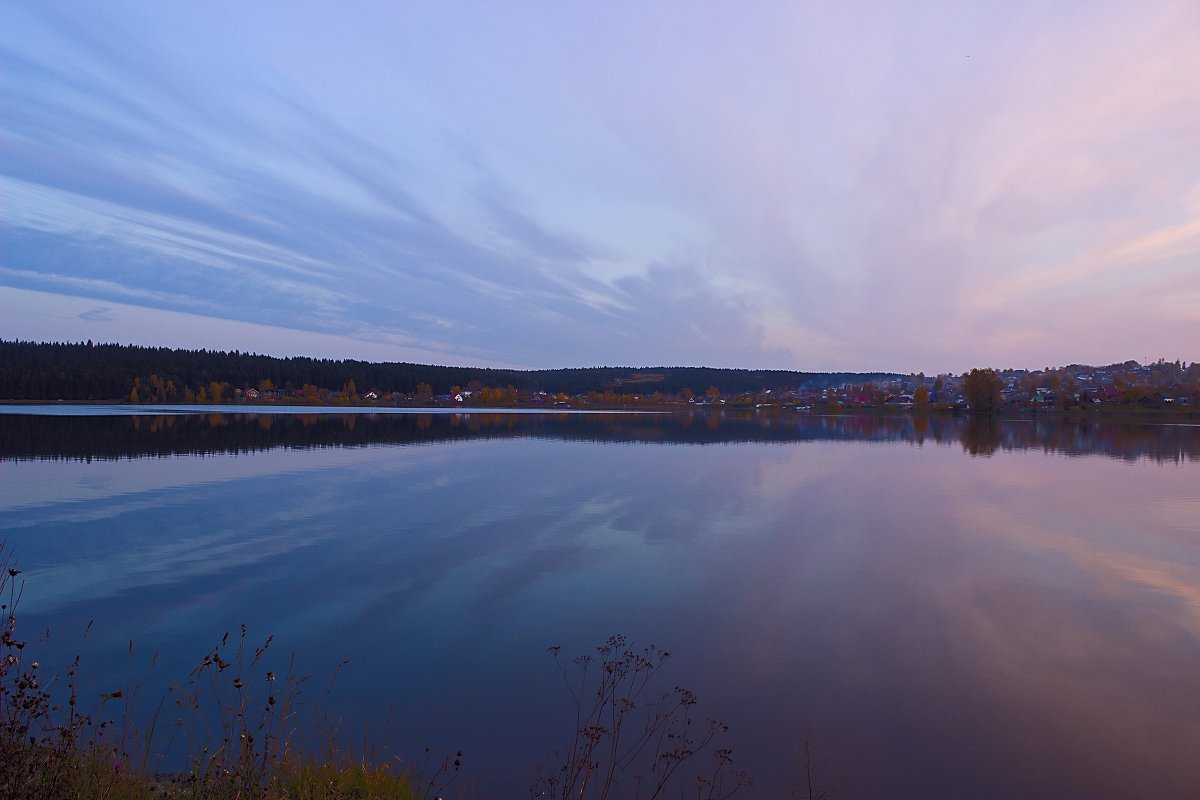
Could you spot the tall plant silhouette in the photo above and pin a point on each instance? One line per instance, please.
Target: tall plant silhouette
(632, 739)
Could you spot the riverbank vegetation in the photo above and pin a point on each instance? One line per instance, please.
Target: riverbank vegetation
(87, 371)
(109, 373)
(234, 729)
(231, 730)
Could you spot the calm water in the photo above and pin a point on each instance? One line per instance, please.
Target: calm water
(943, 609)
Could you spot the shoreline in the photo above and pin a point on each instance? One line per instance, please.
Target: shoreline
(1098, 412)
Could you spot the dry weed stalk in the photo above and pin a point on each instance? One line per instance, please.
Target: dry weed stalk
(239, 725)
(631, 740)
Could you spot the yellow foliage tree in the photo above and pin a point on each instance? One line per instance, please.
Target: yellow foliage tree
(982, 389)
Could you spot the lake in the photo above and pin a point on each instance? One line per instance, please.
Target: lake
(940, 607)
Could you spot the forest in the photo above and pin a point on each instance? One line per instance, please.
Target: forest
(93, 372)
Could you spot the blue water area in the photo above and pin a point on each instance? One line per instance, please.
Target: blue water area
(938, 608)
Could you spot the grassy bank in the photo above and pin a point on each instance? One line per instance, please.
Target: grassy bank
(235, 730)
(229, 730)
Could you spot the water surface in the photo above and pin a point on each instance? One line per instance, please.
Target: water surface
(941, 608)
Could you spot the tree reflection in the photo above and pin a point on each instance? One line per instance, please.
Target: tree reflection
(980, 435)
(121, 436)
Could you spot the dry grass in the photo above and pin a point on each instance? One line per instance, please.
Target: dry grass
(235, 730)
(632, 740)
(232, 730)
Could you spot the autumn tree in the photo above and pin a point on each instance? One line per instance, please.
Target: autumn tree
(921, 396)
(982, 389)
(424, 392)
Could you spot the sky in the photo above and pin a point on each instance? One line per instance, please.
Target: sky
(809, 185)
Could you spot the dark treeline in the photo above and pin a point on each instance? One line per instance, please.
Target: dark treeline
(27, 437)
(106, 372)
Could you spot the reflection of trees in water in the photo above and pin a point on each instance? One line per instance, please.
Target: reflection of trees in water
(37, 437)
(921, 427)
(981, 434)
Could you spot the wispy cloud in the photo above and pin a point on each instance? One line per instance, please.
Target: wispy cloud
(839, 187)
(100, 314)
